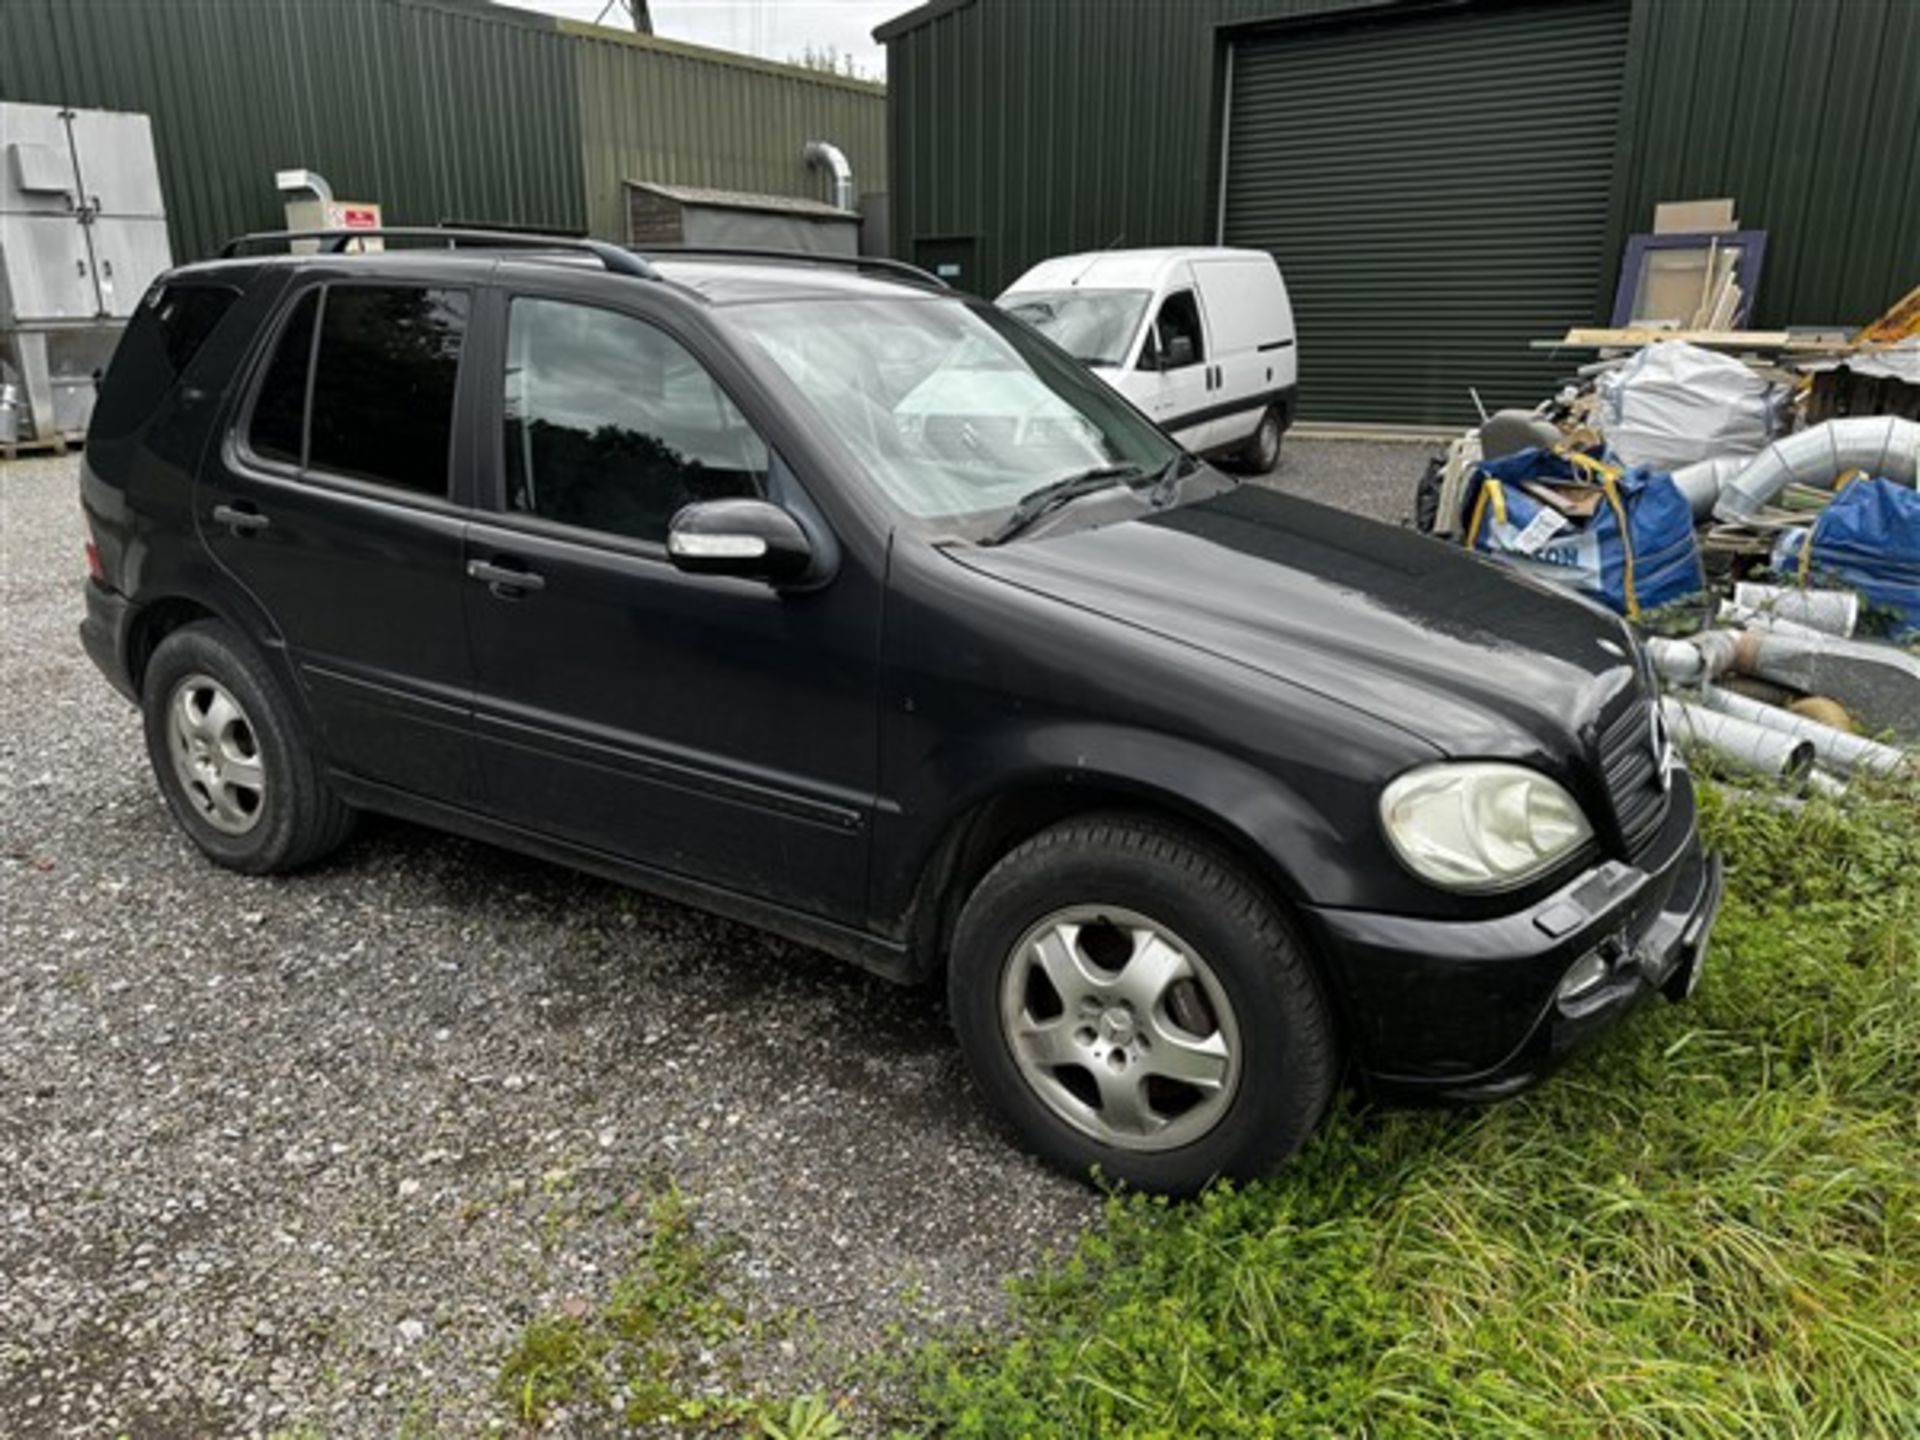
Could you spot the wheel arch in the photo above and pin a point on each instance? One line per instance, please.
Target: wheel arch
(1245, 815)
(205, 593)
(151, 623)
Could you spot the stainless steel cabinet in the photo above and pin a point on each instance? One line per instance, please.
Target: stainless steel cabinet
(83, 233)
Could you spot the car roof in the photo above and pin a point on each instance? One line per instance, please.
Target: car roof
(715, 280)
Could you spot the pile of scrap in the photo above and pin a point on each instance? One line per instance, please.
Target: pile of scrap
(1766, 701)
(1749, 514)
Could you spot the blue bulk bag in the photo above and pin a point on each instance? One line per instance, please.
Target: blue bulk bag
(1868, 540)
(1635, 552)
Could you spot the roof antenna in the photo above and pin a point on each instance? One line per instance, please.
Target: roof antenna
(1119, 235)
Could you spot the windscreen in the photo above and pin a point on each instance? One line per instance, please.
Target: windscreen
(954, 410)
(1096, 327)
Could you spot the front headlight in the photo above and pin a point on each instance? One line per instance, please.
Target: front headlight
(1480, 825)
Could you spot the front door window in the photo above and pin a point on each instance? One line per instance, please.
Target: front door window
(611, 425)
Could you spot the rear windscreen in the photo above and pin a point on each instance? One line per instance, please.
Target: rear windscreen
(165, 333)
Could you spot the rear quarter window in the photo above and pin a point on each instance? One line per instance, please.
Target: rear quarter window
(173, 322)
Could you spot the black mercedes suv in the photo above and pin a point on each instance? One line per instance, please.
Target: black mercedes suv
(819, 595)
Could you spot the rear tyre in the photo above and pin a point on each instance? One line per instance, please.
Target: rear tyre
(1261, 453)
(231, 757)
(1131, 1000)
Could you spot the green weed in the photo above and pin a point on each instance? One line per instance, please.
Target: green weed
(635, 1352)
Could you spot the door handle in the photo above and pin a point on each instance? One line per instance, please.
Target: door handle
(241, 520)
(505, 581)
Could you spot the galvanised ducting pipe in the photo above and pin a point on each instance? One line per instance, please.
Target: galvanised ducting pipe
(1879, 684)
(1741, 743)
(1877, 444)
(1689, 662)
(1831, 745)
(1702, 481)
(825, 155)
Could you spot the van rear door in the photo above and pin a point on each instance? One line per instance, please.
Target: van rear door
(1254, 355)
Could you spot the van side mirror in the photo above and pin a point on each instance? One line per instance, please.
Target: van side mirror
(751, 539)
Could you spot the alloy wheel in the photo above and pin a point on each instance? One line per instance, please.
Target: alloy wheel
(216, 755)
(1120, 1028)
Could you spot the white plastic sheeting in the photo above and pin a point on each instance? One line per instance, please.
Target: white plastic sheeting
(1675, 404)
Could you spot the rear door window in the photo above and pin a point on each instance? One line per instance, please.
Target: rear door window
(383, 384)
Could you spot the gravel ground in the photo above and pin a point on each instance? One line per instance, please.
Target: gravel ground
(1375, 478)
(304, 1156)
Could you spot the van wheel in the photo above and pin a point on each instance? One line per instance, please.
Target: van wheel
(231, 758)
(1134, 1004)
(1261, 453)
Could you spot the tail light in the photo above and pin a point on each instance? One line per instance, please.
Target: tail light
(94, 568)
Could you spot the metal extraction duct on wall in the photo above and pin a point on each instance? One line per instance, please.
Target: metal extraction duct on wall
(825, 155)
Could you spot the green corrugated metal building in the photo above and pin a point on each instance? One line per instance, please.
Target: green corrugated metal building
(438, 109)
(1442, 180)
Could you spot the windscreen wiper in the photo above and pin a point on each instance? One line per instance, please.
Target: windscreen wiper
(1166, 483)
(1058, 494)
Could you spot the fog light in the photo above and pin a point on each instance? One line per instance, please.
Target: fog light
(1585, 973)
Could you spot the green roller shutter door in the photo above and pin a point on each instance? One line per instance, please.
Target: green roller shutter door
(1435, 189)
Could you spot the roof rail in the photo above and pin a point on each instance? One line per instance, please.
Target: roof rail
(900, 269)
(335, 242)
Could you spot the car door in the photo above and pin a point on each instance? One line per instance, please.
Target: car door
(335, 499)
(706, 726)
(1178, 375)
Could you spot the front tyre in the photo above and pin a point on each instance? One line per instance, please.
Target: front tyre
(231, 757)
(1131, 1001)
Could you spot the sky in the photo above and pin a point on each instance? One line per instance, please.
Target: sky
(774, 29)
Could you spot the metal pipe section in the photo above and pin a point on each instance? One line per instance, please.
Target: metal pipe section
(1732, 614)
(1693, 661)
(1881, 445)
(1879, 685)
(1832, 746)
(1835, 612)
(825, 155)
(1741, 743)
(1702, 481)
(292, 182)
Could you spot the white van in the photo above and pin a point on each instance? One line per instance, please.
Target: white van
(1200, 339)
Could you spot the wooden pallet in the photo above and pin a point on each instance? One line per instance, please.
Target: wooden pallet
(46, 445)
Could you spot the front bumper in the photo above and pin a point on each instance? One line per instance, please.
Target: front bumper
(1472, 1009)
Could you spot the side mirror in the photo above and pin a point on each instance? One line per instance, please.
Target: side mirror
(751, 539)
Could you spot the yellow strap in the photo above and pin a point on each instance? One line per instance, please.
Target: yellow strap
(1806, 558)
(1595, 469)
(1612, 492)
(1490, 493)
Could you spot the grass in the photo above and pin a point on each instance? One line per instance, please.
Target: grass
(1708, 1226)
(660, 1352)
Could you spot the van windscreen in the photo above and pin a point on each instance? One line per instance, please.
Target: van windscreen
(1096, 327)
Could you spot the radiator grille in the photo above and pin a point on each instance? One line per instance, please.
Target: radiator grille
(1631, 758)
